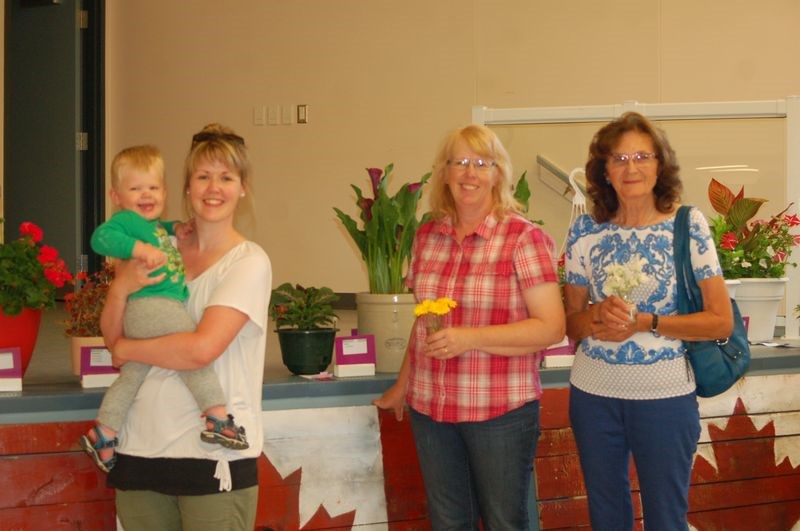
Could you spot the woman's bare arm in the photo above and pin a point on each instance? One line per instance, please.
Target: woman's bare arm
(187, 350)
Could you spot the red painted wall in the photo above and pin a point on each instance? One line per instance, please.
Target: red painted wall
(750, 487)
(46, 481)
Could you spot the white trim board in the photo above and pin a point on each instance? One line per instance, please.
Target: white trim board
(788, 108)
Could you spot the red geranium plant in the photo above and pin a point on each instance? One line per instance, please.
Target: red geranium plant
(30, 273)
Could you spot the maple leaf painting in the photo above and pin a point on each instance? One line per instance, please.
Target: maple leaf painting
(279, 503)
(323, 469)
(755, 491)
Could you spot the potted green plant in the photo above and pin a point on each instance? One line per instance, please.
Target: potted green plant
(753, 252)
(306, 326)
(388, 226)
(84, 306)
(750, 248)
(30, 274)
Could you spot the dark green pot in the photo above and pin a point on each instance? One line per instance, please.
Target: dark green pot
(307, 351)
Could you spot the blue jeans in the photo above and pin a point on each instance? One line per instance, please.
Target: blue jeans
(662, 436)
(478, 470)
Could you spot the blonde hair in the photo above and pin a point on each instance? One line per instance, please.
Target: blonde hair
(485, 143)
(143, 158)
(217, 143)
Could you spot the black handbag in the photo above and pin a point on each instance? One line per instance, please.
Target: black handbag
(717, 364)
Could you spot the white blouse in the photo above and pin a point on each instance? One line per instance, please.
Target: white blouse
(164, 420)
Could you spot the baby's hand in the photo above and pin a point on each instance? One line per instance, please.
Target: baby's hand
(183, 229)
(149, 255)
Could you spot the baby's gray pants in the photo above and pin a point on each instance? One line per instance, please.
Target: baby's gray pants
(152, 317)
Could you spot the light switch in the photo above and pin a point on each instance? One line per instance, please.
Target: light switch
(260, 115)
(302, 114)
(272, 114)
(286, 114)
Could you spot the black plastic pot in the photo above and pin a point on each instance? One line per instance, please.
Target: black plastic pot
(307, 351)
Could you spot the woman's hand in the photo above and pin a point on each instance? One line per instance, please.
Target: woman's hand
(601, 331)
(608, 320)
(615, 314)
(116, 360)
(393, 398)
(184, 230)
(446, 343)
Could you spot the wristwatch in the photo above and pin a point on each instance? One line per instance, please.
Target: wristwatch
(654, 325)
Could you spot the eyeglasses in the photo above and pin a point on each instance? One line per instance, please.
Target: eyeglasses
(639, 158)
(206, 136)
(480, 165)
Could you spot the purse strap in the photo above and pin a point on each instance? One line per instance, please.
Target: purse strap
(690, 299)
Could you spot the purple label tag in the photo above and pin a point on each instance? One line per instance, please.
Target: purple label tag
(96, 360)
(10, 362)
(355, 349)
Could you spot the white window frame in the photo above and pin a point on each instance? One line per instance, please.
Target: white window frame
(788, 108)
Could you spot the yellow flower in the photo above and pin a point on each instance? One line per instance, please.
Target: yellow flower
(440, 306)
(433, 312)
(423, 307)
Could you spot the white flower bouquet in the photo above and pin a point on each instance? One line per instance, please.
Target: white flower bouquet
(622, 279)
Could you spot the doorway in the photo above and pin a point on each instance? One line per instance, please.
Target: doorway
(53, 127)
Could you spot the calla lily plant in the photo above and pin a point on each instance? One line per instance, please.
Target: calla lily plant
(389, 224)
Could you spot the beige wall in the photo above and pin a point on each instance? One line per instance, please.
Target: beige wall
(384, 80)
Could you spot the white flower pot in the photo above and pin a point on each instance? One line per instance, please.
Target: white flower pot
(759, 300)
(389, 317)
(732, 284)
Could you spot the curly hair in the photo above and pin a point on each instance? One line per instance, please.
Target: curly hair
(605, 202)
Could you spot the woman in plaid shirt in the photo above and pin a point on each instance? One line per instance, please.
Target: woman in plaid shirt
(473, 386)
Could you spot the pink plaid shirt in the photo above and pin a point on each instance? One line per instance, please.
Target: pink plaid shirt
(485, 275)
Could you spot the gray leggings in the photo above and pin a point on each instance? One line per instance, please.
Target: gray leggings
(152, 317)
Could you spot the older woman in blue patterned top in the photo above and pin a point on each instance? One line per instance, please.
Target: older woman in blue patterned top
(632, 390)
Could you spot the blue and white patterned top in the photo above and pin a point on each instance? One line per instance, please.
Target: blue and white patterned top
(644, 366)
